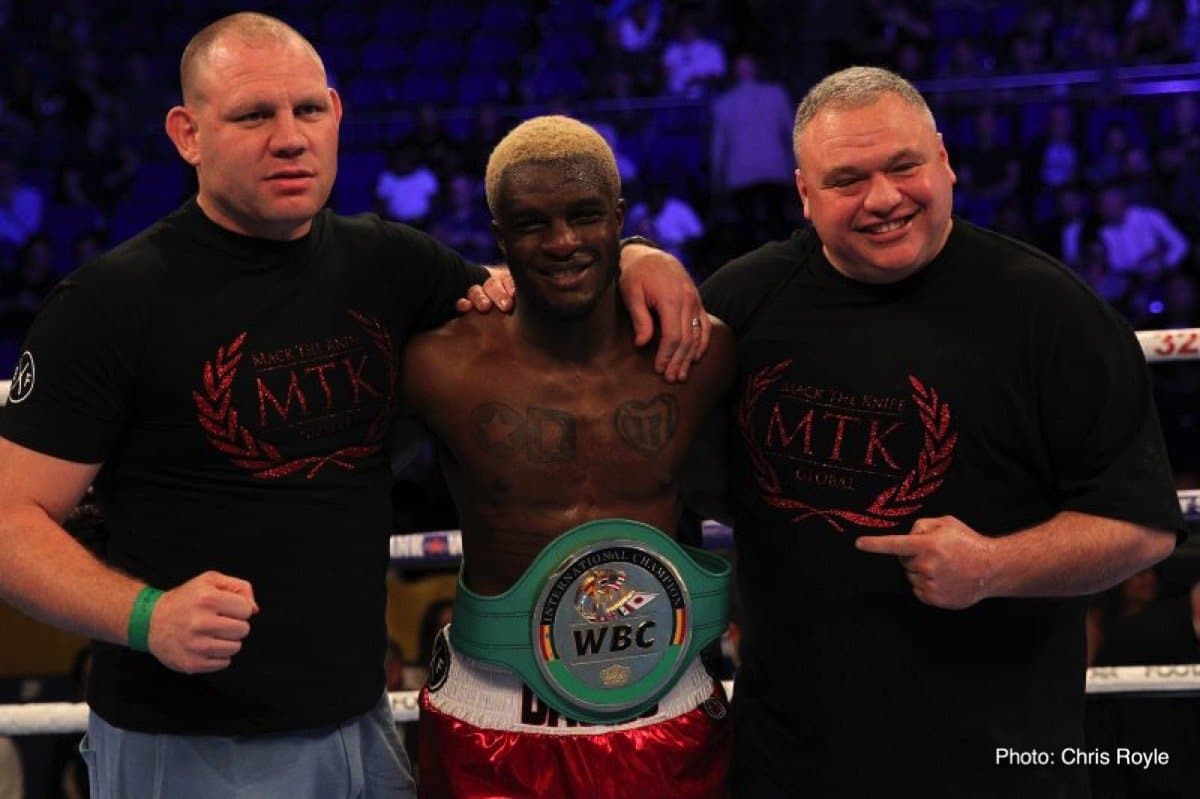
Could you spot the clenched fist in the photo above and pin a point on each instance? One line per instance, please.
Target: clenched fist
(199, 626)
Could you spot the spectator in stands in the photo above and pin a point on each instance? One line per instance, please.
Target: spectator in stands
(669, 220)
(1091, 263)
(1057, 159)
(1189, 36)
(433, 144)
(967, 59)
(637, 24)
(1141, 183)
(1181, 308)
(637, 42)
(1102, 47)
(74, 209)
(1010, 219)
(485, 132)
(911, 60)
(14, 128)
(1105, 166)
(81, 93)
(70, 189)
(1180, 144)
(1138, 240)
(140, 97)
(1179, 163)
(751, 159)
(21, 206)
(989, 171)
(108, 164)
(691, 63)
(87, 245)
(627, 165)
(73, 24)
(1024, 56)
(1184, 200)
(22, 292)
(1153, 33)
(24, 94)
(1070, 207)
(462, 222)
(887, 27)
(406, 188)
(619, 87)
(1037, 25)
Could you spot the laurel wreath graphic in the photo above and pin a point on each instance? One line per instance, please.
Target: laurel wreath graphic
(384, 343)
(218, 417)
(892, 504)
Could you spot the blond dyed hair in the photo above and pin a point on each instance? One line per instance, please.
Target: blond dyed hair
(551, 140)
(854, 87)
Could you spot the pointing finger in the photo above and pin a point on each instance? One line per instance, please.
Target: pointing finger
(901, 545)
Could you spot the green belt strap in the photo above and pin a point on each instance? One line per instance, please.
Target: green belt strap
(500, 629)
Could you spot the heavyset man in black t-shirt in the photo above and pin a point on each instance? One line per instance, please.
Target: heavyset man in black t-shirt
(227, 379)
(942, 439)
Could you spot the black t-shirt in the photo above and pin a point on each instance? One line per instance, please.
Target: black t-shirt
(238, 392)
(993, 386)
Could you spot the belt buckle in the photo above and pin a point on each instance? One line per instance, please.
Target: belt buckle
(611, 628)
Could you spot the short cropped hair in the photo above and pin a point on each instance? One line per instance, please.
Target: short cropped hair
(551, 140)
(249, 26)
(854, 87)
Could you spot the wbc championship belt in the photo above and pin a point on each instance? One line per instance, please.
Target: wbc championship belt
(603, 622)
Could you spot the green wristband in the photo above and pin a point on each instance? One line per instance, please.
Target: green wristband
(139, 618)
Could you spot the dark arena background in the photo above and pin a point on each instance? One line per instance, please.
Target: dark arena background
(1073, 126)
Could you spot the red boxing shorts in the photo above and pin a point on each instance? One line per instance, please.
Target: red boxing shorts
(483, 733)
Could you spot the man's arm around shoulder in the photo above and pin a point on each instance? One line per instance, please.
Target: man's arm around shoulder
(435, 358)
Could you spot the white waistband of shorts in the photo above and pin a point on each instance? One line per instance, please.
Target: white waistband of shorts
(491, 697)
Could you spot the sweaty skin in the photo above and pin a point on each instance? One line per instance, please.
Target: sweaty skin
(532, 447)
(551, 416)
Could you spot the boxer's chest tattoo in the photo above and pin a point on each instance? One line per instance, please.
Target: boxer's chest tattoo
(550, 435)
(542, 435)
(647, 426)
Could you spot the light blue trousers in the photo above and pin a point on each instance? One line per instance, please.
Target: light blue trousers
(361, 759)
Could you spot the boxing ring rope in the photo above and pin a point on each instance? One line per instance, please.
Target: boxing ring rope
(438, 548)
(1181, 344)
(1166, 682)
(444, 548)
